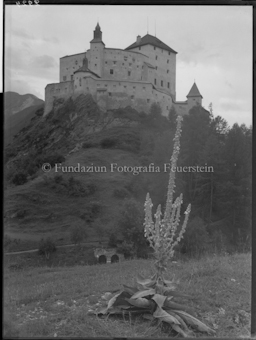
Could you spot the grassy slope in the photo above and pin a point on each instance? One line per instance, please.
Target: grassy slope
(56, 300)
(52, 213)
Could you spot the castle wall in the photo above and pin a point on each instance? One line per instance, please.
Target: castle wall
(181, 108)
(58, 90)
(70, 64)
(113, 94)
(192, 101)
(165, 61)
(120, 64)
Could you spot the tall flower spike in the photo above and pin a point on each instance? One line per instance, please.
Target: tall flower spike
(161, 233)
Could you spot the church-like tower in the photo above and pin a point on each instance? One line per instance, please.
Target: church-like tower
(194, 97)
(96, 52)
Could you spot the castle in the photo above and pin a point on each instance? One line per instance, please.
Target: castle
(142, 74)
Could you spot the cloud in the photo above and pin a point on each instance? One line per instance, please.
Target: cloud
(22, 34)
(231, 104)
(21, 87)
(192, 53)
(44, 61)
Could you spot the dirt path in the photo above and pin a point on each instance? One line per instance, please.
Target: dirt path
(35, 250)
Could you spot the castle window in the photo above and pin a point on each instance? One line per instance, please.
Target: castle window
(129, 73)
(114, 62)
(106, 85)
(132, 97)
(137, 66)
(125, 86)
(156, 57)
(111, 71)
(168, 85)
(155, 81)
(162, 83)
(76, 62)
(110, 94)
(106, 62)
(72, 77)
(144, 88)
(125, 58)
(134, 87)
(169, 53)
(148, 100)
(167, 61)
(96, 65)
(167, 71)
(154, 48)
(123, 64)
(64, 78)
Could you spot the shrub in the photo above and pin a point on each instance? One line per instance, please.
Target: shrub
(19, 178)
(77, 234)
(196, 239)
(120, 193)
(58, 178)
(112, 241)
(87, 145)
(127, 249)
(46, 248)
(108, 143)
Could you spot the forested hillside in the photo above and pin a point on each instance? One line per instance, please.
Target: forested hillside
(109, 204)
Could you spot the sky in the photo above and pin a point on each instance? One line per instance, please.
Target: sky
(214, 45)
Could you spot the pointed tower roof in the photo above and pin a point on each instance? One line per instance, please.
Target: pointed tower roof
(151, 40)
(97, 35)
(194, 92)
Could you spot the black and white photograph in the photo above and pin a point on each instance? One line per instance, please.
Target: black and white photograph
(127, 171)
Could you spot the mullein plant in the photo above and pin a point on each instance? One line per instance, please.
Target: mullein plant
(155, 298)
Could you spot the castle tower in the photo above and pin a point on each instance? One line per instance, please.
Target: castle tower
(96, 55)
(194, 97)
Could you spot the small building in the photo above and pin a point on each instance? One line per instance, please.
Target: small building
(107, 255)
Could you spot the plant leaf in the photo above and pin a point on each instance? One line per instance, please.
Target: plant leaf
(159, 299)
(194, 322)
(147, 283)
(112, 300)
(130, 290)
(102, 311)
(179, 330)
(162, 315)
(177, 294)
(143, 293)
(170, 284)
(178, 306)
(182, 322)
(140, 302)
(121, 299)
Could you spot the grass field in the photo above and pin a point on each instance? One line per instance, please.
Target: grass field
(54, 302)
